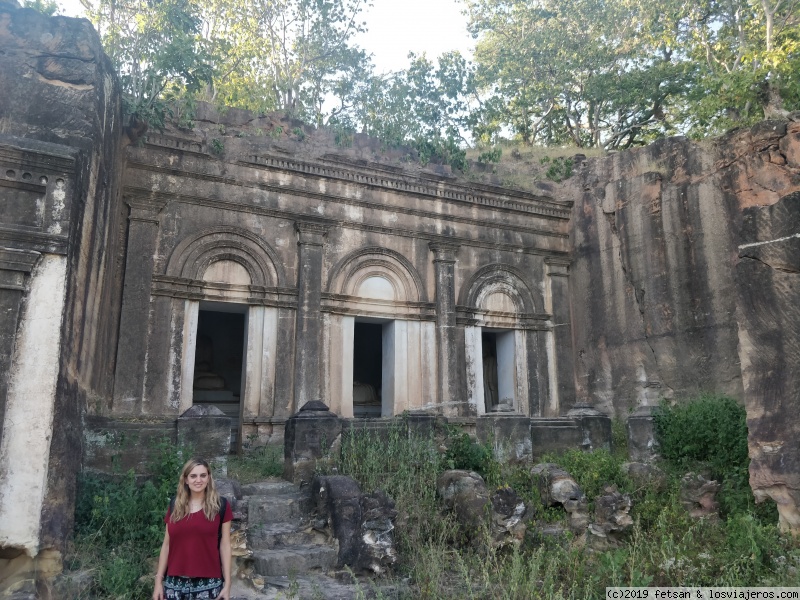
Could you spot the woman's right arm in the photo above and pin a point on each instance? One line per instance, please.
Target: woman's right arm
(158, 590)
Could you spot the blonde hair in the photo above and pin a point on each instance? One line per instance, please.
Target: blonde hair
(211, 503)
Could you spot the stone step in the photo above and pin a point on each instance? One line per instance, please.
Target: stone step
(275, 535)
(266, 510)
(270, 488)
(294, 560)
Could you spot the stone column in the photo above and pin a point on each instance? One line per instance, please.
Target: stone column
(143, 223)
(14, 266)
(563, 389)
(444, 260)
(308, 333)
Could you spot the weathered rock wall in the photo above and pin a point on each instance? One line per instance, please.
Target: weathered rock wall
(685, 280)
(60, 134)
(652, 282)
(768, 285)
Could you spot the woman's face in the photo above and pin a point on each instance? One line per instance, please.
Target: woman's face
(197, 479)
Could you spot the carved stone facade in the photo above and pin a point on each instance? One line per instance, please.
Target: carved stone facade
(313, 250)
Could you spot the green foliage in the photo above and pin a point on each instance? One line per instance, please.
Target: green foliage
(217, 146)
(465, 453)
(593, 471)
(256, 465)
(491, 156)
(560, 169)
(46, 7)
(119, 525)
(710, 433)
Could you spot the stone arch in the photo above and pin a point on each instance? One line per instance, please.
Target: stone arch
(500, 279)
(357, 269)
(196, 253)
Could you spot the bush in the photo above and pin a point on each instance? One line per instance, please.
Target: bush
(709, 433)
(119, 525)
(256, 464)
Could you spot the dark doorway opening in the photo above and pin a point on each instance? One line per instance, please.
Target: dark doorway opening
(490, 374)
(218, 364)
(367, 369)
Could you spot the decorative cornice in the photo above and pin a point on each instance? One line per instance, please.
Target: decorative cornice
(415, 184)
(18, 260)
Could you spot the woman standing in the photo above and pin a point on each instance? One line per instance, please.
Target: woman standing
(195, 559)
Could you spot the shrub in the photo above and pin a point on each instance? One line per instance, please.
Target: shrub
(710, 433)
(257, 464)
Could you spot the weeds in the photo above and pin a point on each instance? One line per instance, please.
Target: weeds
(257, 464)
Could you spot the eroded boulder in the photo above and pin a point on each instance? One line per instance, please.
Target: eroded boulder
(363, 524)
(557, 487)
(612, 520)
(501, 513)
(698, 495)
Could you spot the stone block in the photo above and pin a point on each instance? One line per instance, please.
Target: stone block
(421, 424)
(122, 444)
(555, 435)
(310, 433)
(595, 425)
(510, 435)
(207, 432)
(642, 445)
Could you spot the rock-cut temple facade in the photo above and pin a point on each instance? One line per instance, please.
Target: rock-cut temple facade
(253, 264)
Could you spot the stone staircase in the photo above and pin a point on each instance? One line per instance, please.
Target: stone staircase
(285, 557)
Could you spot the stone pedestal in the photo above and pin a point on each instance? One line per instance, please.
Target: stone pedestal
(510, 435)
(595, 426)
(554, 435)
(642, 445)
(421, 424)
(207, 432)
(309, 435)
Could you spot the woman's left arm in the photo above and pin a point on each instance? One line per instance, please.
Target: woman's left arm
(225, 555)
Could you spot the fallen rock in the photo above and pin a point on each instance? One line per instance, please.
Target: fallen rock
(699, 496)
(501, 513)
(363, 524)
(557, 487)
(612, 520)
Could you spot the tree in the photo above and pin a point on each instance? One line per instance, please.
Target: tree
(157, 49)
(586, 72)
(747, 57)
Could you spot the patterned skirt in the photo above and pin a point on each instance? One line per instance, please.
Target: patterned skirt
(192, 588)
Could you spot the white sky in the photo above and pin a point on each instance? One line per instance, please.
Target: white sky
(395, 28)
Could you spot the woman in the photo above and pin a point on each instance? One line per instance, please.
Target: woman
(195, 559)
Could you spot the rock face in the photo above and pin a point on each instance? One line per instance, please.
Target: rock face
(655, 238)
(768, 286)
(61, 234)
(685, 280)
(557, 487)
(499, 514)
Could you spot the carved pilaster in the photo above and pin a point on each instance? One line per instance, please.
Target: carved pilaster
(444, 260)
(143, 224)
(558, 304)
(14, 266)
(308, 336)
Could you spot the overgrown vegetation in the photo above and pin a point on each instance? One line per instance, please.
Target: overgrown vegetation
(119, 527)
(119, 521)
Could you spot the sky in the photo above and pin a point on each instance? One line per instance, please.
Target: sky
(395, 28)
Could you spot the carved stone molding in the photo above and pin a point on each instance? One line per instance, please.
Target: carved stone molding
(310, 233)
(444, 251)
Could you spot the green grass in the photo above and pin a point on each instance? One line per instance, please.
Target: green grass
(257, 464)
